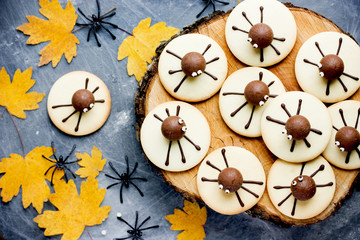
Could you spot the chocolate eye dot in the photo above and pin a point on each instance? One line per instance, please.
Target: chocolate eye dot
(260, 35)
(83, 100)
(305, 189)
(256, 92)
(230, 180)
(332, 67)
(193, 64)
(298, 127)
(347, 138)
(172, 128)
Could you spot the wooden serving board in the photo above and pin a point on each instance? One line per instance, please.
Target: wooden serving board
(151, 93)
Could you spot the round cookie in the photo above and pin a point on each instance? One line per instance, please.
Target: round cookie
(296, 126)
(260, 33)
(192, 67)
(244, 96)
(301, 190)
(231, 180)
(175, 136)
(343, 148)
(79, 103)
(328, 66)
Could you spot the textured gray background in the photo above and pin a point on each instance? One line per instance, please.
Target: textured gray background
(117, 137)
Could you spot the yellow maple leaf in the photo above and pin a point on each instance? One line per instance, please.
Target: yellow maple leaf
(28, 173)
(192, 220)
(13, 94)
(57, 30)
(74, 211)
(90, 165)
(140, 47)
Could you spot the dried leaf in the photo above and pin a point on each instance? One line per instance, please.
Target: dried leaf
(28, 173)
(75, 212)
(90, 165)
(13, 94)
(57, 30)
(140, 47)
(192, 220)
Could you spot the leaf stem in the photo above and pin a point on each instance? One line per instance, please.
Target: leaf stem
(75, 30)
(88, 233)
(17, 130)
(125, 31)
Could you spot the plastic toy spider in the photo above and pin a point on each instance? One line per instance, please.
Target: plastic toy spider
(173, 128)
(260, 35)
(193, 64)
(348, 138)
(231, 180)
(210, 2)
(60, 163)
(331, 67)
(136, 231)
(125, 179)
(255, 93)
(303, 187)
(83, 101)
(297, 127)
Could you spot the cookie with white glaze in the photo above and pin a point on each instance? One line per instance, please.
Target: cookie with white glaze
(175, 136)
(296, 126)
(328, 66)
(231, 180)
(79, 103)
(301, 190)
(343, 148)
(260, 33)
(244, 96)
(192, 67)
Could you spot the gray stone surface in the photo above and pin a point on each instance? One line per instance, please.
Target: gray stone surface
(117, 137)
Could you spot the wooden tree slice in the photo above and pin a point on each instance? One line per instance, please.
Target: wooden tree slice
(151, 93)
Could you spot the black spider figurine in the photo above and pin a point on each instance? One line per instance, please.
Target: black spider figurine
(96, 22)
(60, 163)
(125, 179)
(210, 2)
(136, 231)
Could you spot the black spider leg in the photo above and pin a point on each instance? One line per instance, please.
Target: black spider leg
(204, 179)
(175, 71)
(283, 106)
(100, 100)
(91, 27)
(211, 61)
(346, 74)
(212, 2)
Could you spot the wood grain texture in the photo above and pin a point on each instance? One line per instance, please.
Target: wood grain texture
(151, 93)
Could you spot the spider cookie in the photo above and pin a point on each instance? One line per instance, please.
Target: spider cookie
(175, 136)
(260, 33)
(296, 126)
(79, 103)
(328, 66)
(301, 190)
(343, 148)
(231, 180)
(244, 96)
(192, 67)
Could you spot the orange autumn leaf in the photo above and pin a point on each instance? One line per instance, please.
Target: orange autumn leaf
(57, 29)
(191, 219)
(75, 212)
(27, 173)
(140, 47)
(13, 94)
(90, 165)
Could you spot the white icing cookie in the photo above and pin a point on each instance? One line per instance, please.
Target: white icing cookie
(192, 67)
(343, 148)
(175, 136)
(220, 185)
(296, 126)
(242, 110)
(339, 58)
(77, 112)
(301, 190)
(255, 20)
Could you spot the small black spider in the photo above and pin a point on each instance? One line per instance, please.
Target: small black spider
(136, 231)
(210, 2)
(96, 22)
(125, 179)
(60, 163)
